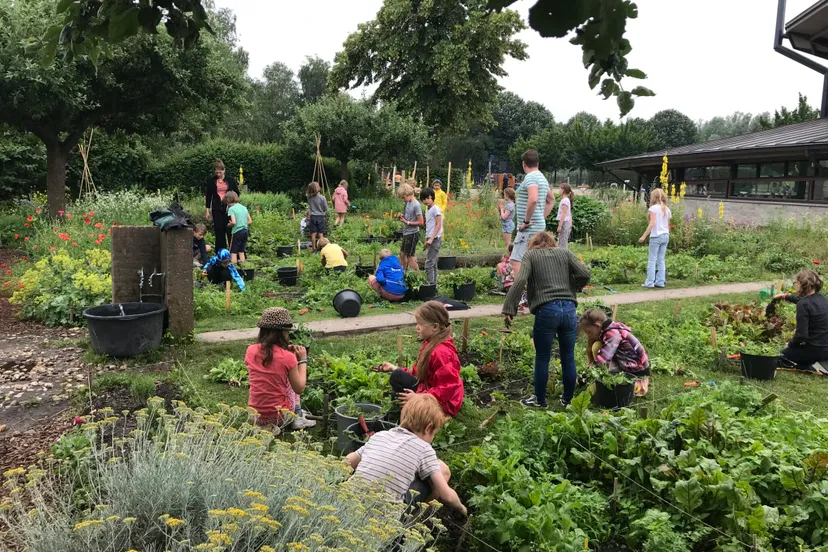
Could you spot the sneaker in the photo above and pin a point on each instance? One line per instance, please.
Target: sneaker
(646, 286)
(564, 402)
(302, 423)
(532, 402)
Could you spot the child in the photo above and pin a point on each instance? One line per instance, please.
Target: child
(200, 247)
(332, 256)
(565, 216)
(437, 371)
(304, 225)
(504, 272)
(240, 223)
(507, 216)
(389, 280)
(402, 459)
(341, 203)
(613, 344)
(278, 371)
(434, 234)
(440, 198)
(318, 206)
(219, 269)
(412, 219)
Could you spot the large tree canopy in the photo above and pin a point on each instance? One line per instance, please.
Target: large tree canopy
(672, 128)
(516, 118)
(784, 116)
(313, 77)
(145, 85)
(437, 60)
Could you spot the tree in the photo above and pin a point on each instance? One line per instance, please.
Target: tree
(145, 85)
(437, 60)
(313, 77)
(803, 112)
(735, 124)
(672, 129)
(516, 118)
(356, 130)
(552, 147)
(275, 101)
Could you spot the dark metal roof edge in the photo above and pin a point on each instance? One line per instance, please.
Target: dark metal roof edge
(723, 157)
(806, 14)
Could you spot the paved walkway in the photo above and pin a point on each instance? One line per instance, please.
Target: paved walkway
(367, 324)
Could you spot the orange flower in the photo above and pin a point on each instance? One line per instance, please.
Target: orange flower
(52, 248)
(37, 211)
(74, 244)
(27, 225)
(16, 236)
(98, 225)
(30, 218)
(68, 215)
(26, 239)
(64, 236)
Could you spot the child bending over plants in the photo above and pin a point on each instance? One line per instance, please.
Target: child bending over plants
(277, 370)
(402, 459)
(220, 269)
(809, 344)
(437, 371)
(613, 344)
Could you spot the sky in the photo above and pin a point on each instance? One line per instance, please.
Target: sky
(703, 57)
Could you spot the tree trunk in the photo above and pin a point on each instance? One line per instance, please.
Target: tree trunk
(343, 170)
(56, 157)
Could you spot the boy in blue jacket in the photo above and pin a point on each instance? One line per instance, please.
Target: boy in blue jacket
(389, 280)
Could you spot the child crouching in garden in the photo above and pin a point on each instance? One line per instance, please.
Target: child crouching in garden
(437, 371)
(613, 344)
(278, 371)
(402, 459)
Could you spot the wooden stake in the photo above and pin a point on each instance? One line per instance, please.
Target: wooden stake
(326, 401)
(399, 351)
(644, 412)
(678, 308)
(414, 172)
(448, 180)
(404, 179)
(500, 355)
(697, 271)
(714, 338)
(227, 296)
(293, 213)
(465, 335)
(780, 286)
(614, 312)
(428, 176)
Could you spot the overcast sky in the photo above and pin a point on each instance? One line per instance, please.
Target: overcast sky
(704, 58)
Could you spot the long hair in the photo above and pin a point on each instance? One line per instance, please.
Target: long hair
(313, 189)
(543, 240)
(432, 312)
(567, 190)
(269, 338)
(659, 197)
(809, 281)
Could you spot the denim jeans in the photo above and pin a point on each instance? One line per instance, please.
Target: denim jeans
(656, 267)
(555, 318)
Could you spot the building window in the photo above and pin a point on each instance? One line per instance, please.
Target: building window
(707, 173)
(746, 171)
(772, 170)
(798, 168)
(821, 190)
(706, 189)
(787, 190)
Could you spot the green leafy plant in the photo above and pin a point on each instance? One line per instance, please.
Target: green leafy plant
(231, 371)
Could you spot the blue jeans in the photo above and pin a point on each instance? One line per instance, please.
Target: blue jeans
(656, 267)
(551, 319)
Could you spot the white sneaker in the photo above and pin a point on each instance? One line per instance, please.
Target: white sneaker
(302, 423)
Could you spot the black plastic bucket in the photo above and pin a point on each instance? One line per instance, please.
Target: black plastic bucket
(247, 274)
(284, 251)
(446, 263)
(619, 396)
(348, 303)
(356, 435)
(464, 292)
(426, 292)
(759, 367)
(125, 329)
(287, 275)
(363, 271)
(343, 422)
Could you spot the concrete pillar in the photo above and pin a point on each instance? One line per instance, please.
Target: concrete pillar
(177, 264)
(133, 248)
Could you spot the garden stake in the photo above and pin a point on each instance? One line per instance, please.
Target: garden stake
(500, 355)
(414, 172)
(644, 412)
(428, 175)
(485, 422)
(293, 213)
(678, 308)
(227, 296)
(713, 339)
(465, 335)
(448, 179)
(326, 402)
(615, 312)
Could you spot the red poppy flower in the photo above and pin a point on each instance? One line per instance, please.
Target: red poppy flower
(102, 236)
(16, 236)
(30, 218)
(52, 248)
(37, 211)
(87, 220)
(27, 225)
(61, 213)
(672, 226)
(74, 244)
(98, 242)
(98, 225)
(25, 260)
(114, 224)
(64, 236)
(3, 265)
(68, 215)
(816, 262)
(8, 272)
(91, 235)
(91, 213)
(6, 284)
(35, 248)
(26, 239)
(20, 285)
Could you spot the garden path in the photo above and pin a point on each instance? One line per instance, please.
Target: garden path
(367, 324)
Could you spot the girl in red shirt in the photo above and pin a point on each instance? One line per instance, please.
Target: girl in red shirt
(278, 371)
(438, 368)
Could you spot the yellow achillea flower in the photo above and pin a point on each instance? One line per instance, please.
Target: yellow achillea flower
(13, 473)
(217, 513)
(128, 520)
(299, 501)
(217, 537)
(113, 518)
(298, 546)
(267, 549)
(236, 512)
(331, 519)
(298, 509)
(254, 494)
(259, 507)
(87, 523)
(174, 522)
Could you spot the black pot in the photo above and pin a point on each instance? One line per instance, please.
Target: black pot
(248, 274)
(343, 422)
(348, 303)
(446, 263)
(363, 271)
(287, 275)
(284, 251)
(619, 396)
(125, 329)
(426, 292)
(356, 435)
(464, 292)
(759, 367)
(410, 295)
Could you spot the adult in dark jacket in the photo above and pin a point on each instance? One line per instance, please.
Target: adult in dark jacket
(215, 188)
(810, 341)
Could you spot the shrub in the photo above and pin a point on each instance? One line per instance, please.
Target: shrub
(587, 213)
(60, 287)
(191, 481)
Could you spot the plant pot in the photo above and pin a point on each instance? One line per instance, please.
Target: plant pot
(372, 412)
(284, 251)
(426, 292)
(598, 264)
(410, 295)
(619, 396)
(287, 275)
(356, 435)
(759, 367)
(125, 329)
(464, 292)
(363, 271)
(347, 303)
(247, 274)
(446, 263)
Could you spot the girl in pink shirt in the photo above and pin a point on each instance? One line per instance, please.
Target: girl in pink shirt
(341, 203)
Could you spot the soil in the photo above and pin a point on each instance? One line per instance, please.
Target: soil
(514, 390)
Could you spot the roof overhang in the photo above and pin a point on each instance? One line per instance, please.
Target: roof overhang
(808, 31)
(763, 155)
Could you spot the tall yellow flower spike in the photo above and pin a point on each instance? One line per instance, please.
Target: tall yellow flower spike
(700, 213)
(241, 176)
(664, 173)
(721, 210)
(683, 189)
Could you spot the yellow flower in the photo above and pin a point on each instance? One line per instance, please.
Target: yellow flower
(174, 522)
(88, 523)
(331, 519)
(700, 213)
(216, 513)
(298, 546)
(267, 549)
(236, 512)
(128, 520)
(298, 509)
(14, 472)
(217, 537)
(113, 518)
(259, 507)
(254, 494)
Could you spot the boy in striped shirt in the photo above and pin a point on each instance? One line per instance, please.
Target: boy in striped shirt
(401, 459)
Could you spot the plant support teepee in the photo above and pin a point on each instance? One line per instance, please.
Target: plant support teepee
(319, 167)
(87, 185)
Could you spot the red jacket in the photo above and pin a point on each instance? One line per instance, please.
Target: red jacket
(444, 380)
